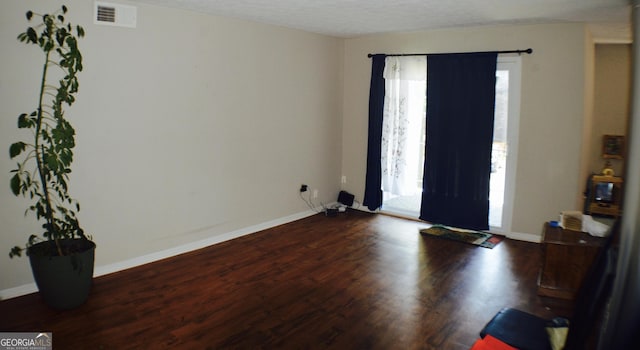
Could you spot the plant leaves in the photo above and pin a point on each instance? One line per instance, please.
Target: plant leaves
(23, 121)
(15, 184)
(16, 148)
(15, 251)
(52, 162)
(31, 34)
(54, 135)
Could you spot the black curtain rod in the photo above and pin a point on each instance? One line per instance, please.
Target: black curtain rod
(519, 52)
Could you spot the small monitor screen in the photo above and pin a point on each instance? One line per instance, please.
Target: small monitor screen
(604, 192)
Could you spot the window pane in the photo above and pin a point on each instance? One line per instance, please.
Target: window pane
(499, 150)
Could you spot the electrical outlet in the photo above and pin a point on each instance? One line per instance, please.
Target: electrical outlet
(343, 179)
(315, 193)
(303, 188)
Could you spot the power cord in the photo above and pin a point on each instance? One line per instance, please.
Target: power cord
(310, 203)
(324, 209)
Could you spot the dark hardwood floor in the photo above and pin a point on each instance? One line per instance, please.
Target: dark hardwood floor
(356, 281)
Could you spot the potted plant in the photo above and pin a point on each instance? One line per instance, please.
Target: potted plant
(62, 257)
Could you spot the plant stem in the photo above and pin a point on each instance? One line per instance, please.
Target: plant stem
(40, 159)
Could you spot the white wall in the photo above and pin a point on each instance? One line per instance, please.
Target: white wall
(189, 127)
(587, 129)
(611, 100)
(552, 108)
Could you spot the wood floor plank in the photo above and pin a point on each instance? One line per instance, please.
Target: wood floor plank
(357, 281)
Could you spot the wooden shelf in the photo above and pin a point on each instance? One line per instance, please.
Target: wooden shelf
(610, 209)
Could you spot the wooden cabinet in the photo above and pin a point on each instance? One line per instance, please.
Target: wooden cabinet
(567, 256)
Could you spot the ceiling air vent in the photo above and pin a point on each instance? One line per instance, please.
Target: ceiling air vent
(118, 15)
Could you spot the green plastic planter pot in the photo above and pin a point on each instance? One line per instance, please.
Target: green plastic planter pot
(63, 281)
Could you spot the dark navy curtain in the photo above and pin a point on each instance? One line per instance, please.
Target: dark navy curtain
(373, 185)
(460, 111)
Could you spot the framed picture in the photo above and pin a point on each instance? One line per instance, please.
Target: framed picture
(612, 146)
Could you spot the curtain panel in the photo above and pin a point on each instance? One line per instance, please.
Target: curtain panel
(460, 112)
(373, 184)
(404, 112)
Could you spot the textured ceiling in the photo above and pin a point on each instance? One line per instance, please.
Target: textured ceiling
(351, 18)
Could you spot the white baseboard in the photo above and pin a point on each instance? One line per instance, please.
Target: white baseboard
(18, 291)
(366, 210)
(527, 237)
(167, 253)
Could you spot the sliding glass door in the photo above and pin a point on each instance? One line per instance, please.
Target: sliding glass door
(504, 151)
